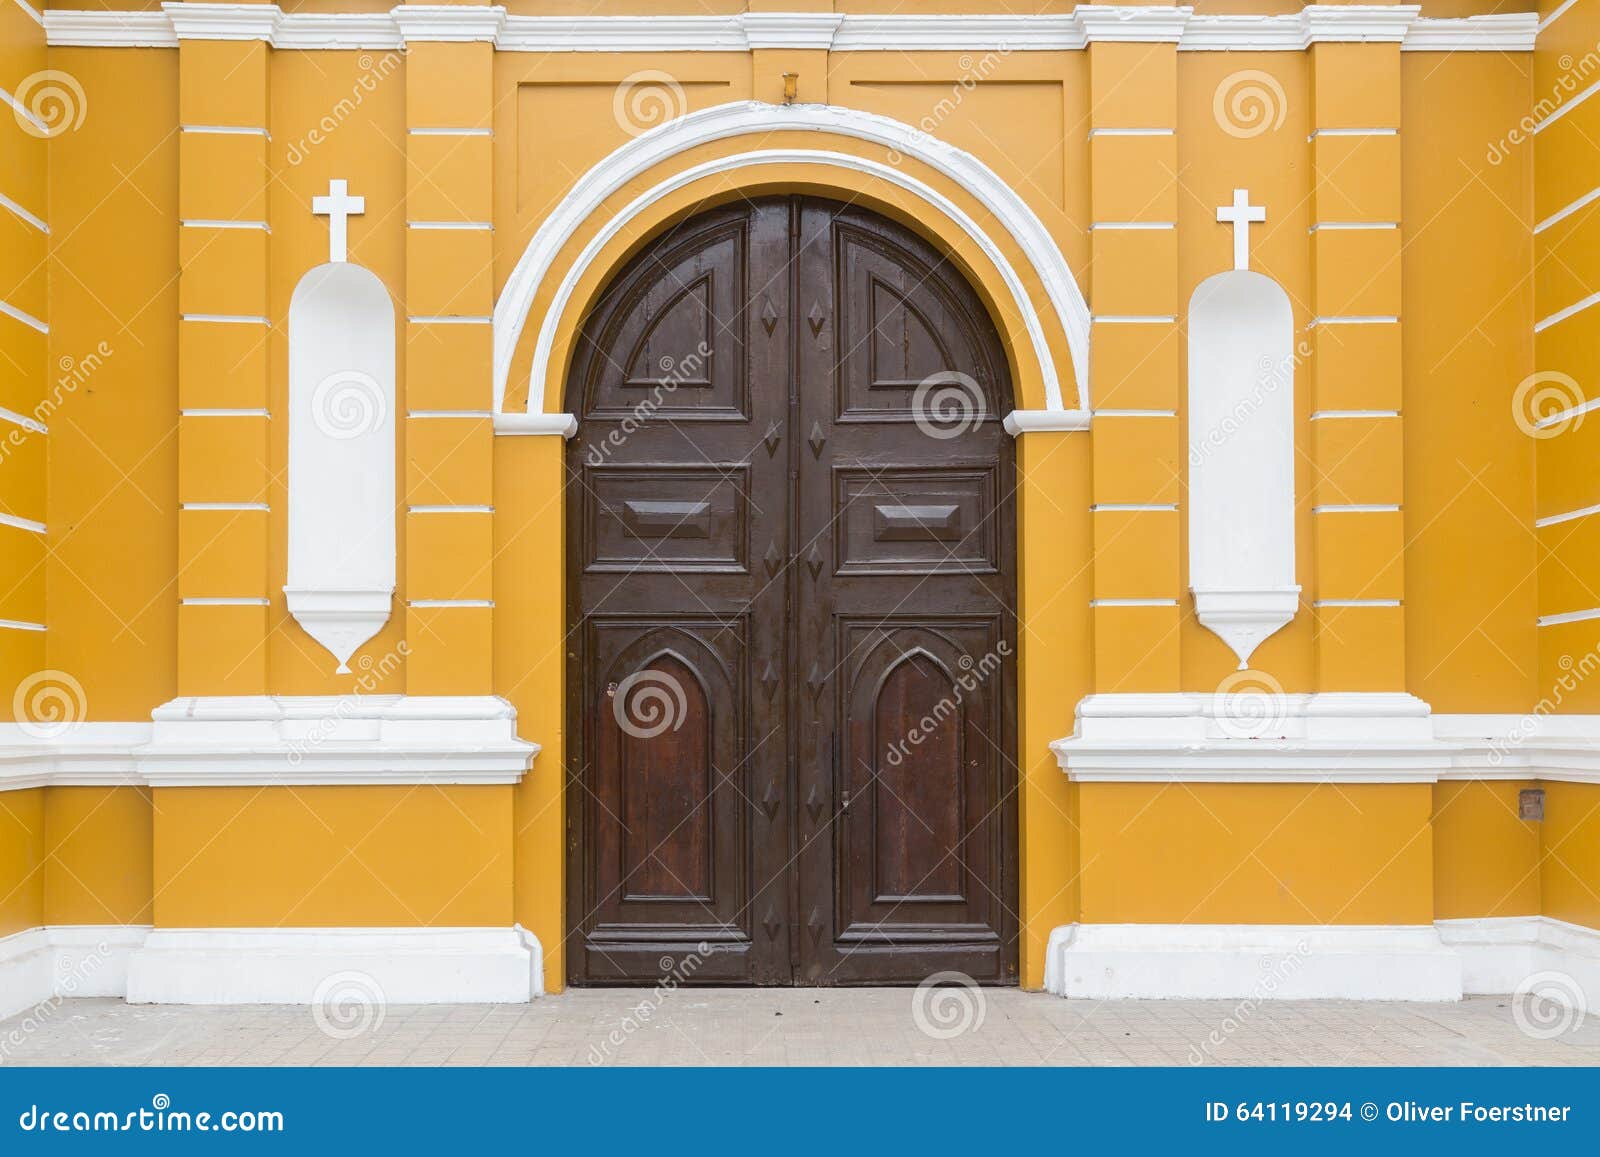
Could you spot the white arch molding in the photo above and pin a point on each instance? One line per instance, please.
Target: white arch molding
(740, 118)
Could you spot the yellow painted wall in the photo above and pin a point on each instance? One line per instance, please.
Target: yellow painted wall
(22, 843)
(1256, 853)
(317, 857)
(99, 864)
(1486, 859)
(1570, 879)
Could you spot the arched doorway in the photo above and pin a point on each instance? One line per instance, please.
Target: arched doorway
(792, 592)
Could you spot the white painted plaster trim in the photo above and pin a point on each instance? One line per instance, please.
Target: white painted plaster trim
(1340, 415)
(1358, 508)
(1562, 214)
(743, 118)
(1556, 15)
(1133, 602)
(1134, 319)
(244, 601)
(1129, 132)
(1087, 24)
(38, 16)
(561, 425)
(1355, 603)
(222, 741)
(43, 966)
(1555, 519)
(477, 226)
(1132, 225)
(1251, 962)
(226, 130)
(27, 524)
(1565, 108)
(1132, 507)
(449, 319)
(746, 117)
(221, 413)
(450, 509)
(225, 319)
(24, 317)
(23, 420)
(20, 625)
(450, 604)
(1561, 315)
(1352, 225)
(1498, 954)
(441, 132)
(1136, 413)
(1568, 617)
(1252, 736)
(22, 214)
(1020, 422)
(231, 506)
(198, 224)
(295, 965)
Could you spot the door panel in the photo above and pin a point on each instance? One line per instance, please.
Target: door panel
(791, 672)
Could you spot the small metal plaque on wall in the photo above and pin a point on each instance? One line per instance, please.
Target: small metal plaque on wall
(1530, 803)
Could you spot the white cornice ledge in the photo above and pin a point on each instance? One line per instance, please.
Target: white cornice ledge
(264, 740)
(192, 21)
(790, 29)
(450, 23)
(1087, 24)
(1020, 422)
(1332, 737)
(564, 425)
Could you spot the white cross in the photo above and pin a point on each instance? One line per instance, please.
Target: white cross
(339, 207)
(1240, 214)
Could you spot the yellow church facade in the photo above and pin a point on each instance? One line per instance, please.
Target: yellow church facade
(1096, 498)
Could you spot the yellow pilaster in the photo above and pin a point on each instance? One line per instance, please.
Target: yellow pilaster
(1356, 424)
(449, 490)
(1133, 297)
(224, 463)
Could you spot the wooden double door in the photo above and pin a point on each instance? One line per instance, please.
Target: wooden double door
(791, 587)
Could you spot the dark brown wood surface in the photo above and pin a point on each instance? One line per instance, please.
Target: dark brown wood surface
(792, 594)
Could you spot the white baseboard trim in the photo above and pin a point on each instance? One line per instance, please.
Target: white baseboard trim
(307, 965)
(63, 961)
(1251, 961)
(1499, 954)
(1428, 962)
(269, 965)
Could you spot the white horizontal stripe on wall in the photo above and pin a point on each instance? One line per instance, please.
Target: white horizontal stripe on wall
(1356, 603)
(1561, 315)
(23, 420)
(219, 413)
(1375, 319)
(1566, 211)
(1569, 617)
(223, 602)
(19, 625)
(474, 226)
(1133, 319)
(1565, 416)
(450, 509)
(1129, 133)
(1556, 15)
(1133, 602)
(225, 319)
(438, 132)
(1131, 507)
(1135, 413)
(436, 603)
(450, 319)
(1315, 133)
(1568, 106)
(227, 130)
(1353, 225)
(1357, 508)
(201, 224)
(1153, 225)
(448, 414)
(1334, 415)
(23, 523)
(260, 506)
(1555, 519)
(22, 214)
(24, 317)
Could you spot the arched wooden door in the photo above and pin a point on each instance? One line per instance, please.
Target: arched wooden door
(792, 597)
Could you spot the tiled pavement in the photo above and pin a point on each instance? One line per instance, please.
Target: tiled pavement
(794, 1027)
